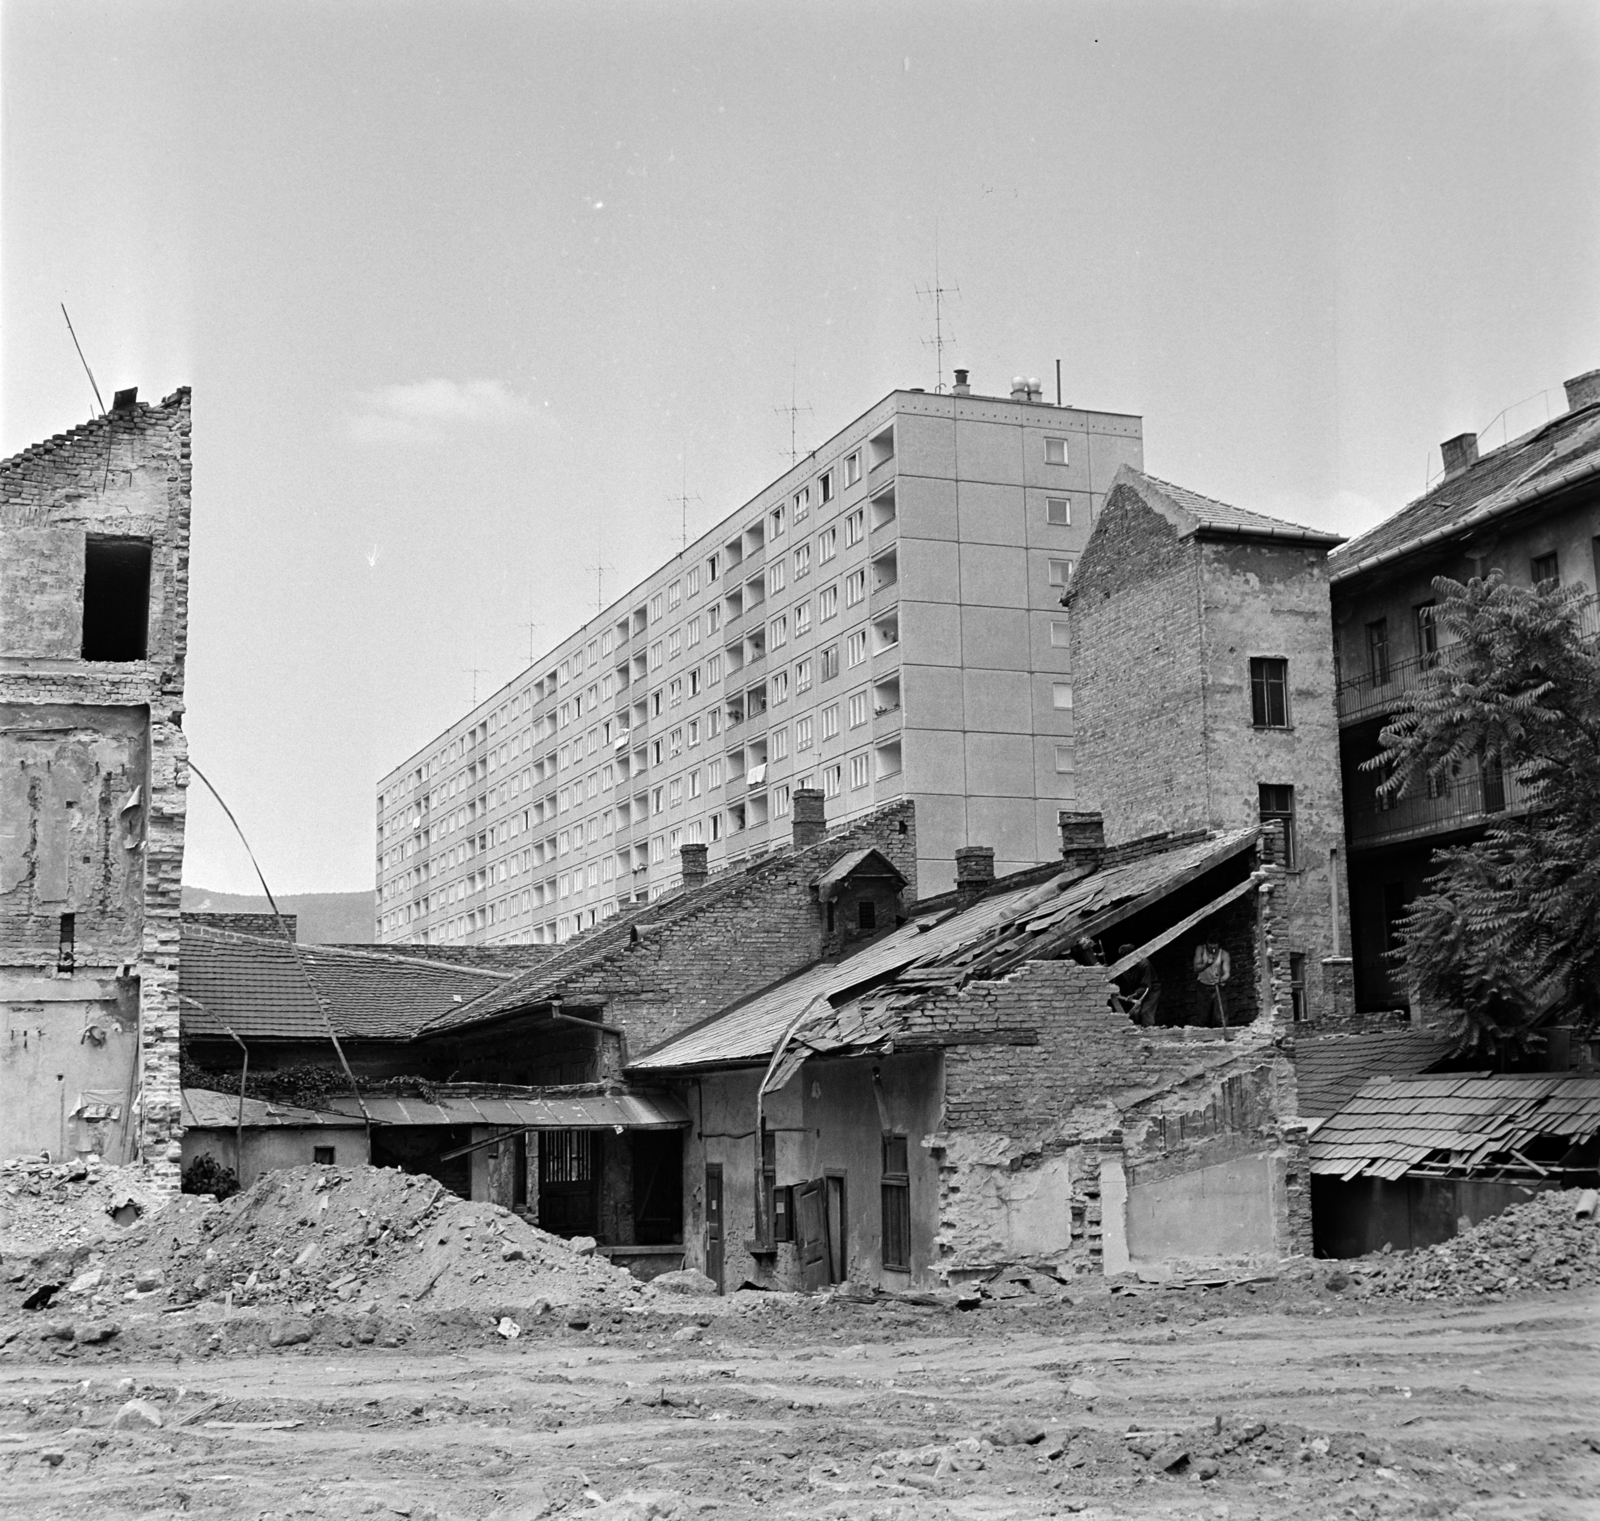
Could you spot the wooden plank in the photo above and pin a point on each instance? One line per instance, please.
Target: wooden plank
(1183, 926)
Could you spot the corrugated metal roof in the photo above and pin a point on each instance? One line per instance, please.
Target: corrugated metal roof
(252, 985)
(603, 1111)
(929, 956)
(1465, 1119)
(206, 1109)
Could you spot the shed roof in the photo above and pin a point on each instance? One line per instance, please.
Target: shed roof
(206, 1109)
(1461, 1121)
(855, 1003)
(261, 986)
(1331, 1069)
(598, 1111)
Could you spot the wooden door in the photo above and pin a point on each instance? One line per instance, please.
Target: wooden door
(714, 1268)
(811, 1234)
(838, 1258)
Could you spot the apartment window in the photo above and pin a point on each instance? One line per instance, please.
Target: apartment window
(1060, 634)
(1545, 569)
(1378, 652)
(780, 686)
(694, 682)
(827, 543)
(827, 603)
(825, 487)
(675, 691)
(1278, 803)
(655, 703)
(657, 800)
(1427, 631)
(1055, 451)
(694, 632)
(833, 776)
(1058, 511)
(775, 523)
(713, 670)
(830, 721)
(655, 608)
(713, 723)
(1297, 985)
(1066, 760)
(674, 594)
(858, 709)
(780, 744)
(116, 599)
(714, 567)
(1060, 572)
(802, 676)
(713, 618)
(802, 561)
(830, 662)
(855, 587)
(1269, 693)
(896, 1193)
(852, 468)
(1061, 696)
(855, 526)
(855, 650)
(802, 734)
(694, 783)
(775, 574)
(691, 585)
(780, 802)
(675, 643)
(675, 792)
(714, 774)
(694, 732)
(675, 742)
(860, 771)
(802, 503)
(658, 848)
(658, 655)
(778, 632)
(655, 752)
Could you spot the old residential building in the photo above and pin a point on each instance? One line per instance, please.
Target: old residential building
(881, 622)
(94, 574)
(1530, 509)
(1205, 698)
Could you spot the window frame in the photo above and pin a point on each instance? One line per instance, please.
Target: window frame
(1269, 692)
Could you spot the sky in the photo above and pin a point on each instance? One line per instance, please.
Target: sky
(471, 295)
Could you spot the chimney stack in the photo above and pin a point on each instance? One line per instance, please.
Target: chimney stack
(810, 817)
(1582, 390)
(1083, 839)
(695, 871)
(961, 388)
(974, 870)
(1459, 452)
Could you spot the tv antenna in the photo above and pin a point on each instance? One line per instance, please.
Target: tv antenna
(793, 410)
(474, 671)
(533, 625)
(84, 362)
(937, 293)
(682, 498)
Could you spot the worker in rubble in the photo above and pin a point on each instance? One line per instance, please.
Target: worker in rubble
(1139, 989)
(1212, 969)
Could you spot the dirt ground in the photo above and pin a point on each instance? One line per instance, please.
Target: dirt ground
(1225, 1405)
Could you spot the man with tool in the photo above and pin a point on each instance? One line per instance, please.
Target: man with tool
(1211, 969)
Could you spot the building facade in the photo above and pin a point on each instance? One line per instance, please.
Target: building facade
(882, 622)
(1529, 509)
(94, 574)
(1206, 699)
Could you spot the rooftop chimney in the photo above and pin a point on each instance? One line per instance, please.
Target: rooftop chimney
(810, 817)
(125, 401)
(1459, 452)
(974, 870)
(695, 872)
(1582, 390)
(1019, 387)
(961, 388)
(1083, 839)
(1035, 388)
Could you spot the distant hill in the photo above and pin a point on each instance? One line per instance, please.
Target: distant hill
(325, 918)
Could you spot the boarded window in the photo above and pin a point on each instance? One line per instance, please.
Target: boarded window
(896, 1203)
(116, 599)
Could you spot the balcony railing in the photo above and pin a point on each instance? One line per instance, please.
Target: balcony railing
(1471, 798)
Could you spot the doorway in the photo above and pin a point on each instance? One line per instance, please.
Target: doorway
(838, 1257)
(569, 1182)
(714, 1268)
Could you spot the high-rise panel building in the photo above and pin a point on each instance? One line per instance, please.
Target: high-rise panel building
(883, 621)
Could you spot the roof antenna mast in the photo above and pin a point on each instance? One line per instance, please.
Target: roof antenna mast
(682, 498)
(936, 293)
(794, 409)
(84, 362)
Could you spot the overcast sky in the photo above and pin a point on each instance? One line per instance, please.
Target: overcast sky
(467, 291)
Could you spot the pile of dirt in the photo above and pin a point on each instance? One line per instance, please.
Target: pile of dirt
(1540, 1244)
(59, 1206)
(368, 1239)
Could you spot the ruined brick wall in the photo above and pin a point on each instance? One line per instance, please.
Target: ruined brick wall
(96, 760)
(1139, 684)
(756, 927)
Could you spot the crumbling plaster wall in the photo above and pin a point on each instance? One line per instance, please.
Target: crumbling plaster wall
(126, 475)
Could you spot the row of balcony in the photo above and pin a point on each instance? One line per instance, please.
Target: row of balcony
(1478, 795)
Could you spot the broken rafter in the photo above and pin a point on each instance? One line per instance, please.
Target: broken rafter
(1183, 926)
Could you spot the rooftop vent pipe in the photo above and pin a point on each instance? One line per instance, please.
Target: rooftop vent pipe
(961, 388)
(1019, 387)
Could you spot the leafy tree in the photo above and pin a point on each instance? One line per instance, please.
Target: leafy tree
(1505, 940)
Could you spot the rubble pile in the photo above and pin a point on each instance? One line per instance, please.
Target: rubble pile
(315, 1239)
(1541, 1244)
(55, 1206)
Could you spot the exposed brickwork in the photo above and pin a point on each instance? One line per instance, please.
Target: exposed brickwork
(124, 476)
(247, 924)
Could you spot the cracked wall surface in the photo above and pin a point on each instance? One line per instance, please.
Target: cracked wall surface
(92, 786)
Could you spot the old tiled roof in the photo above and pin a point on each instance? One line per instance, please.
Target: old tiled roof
(1458, 1123)
(830, 881)
(1194, 513)
(1331, 1069)
(252, 985)
(856, 1003)
(578, 956)
(1562, 452)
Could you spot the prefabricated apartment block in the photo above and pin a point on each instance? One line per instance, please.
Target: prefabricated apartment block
(883, 621)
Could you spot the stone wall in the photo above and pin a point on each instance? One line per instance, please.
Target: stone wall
(125, 476)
